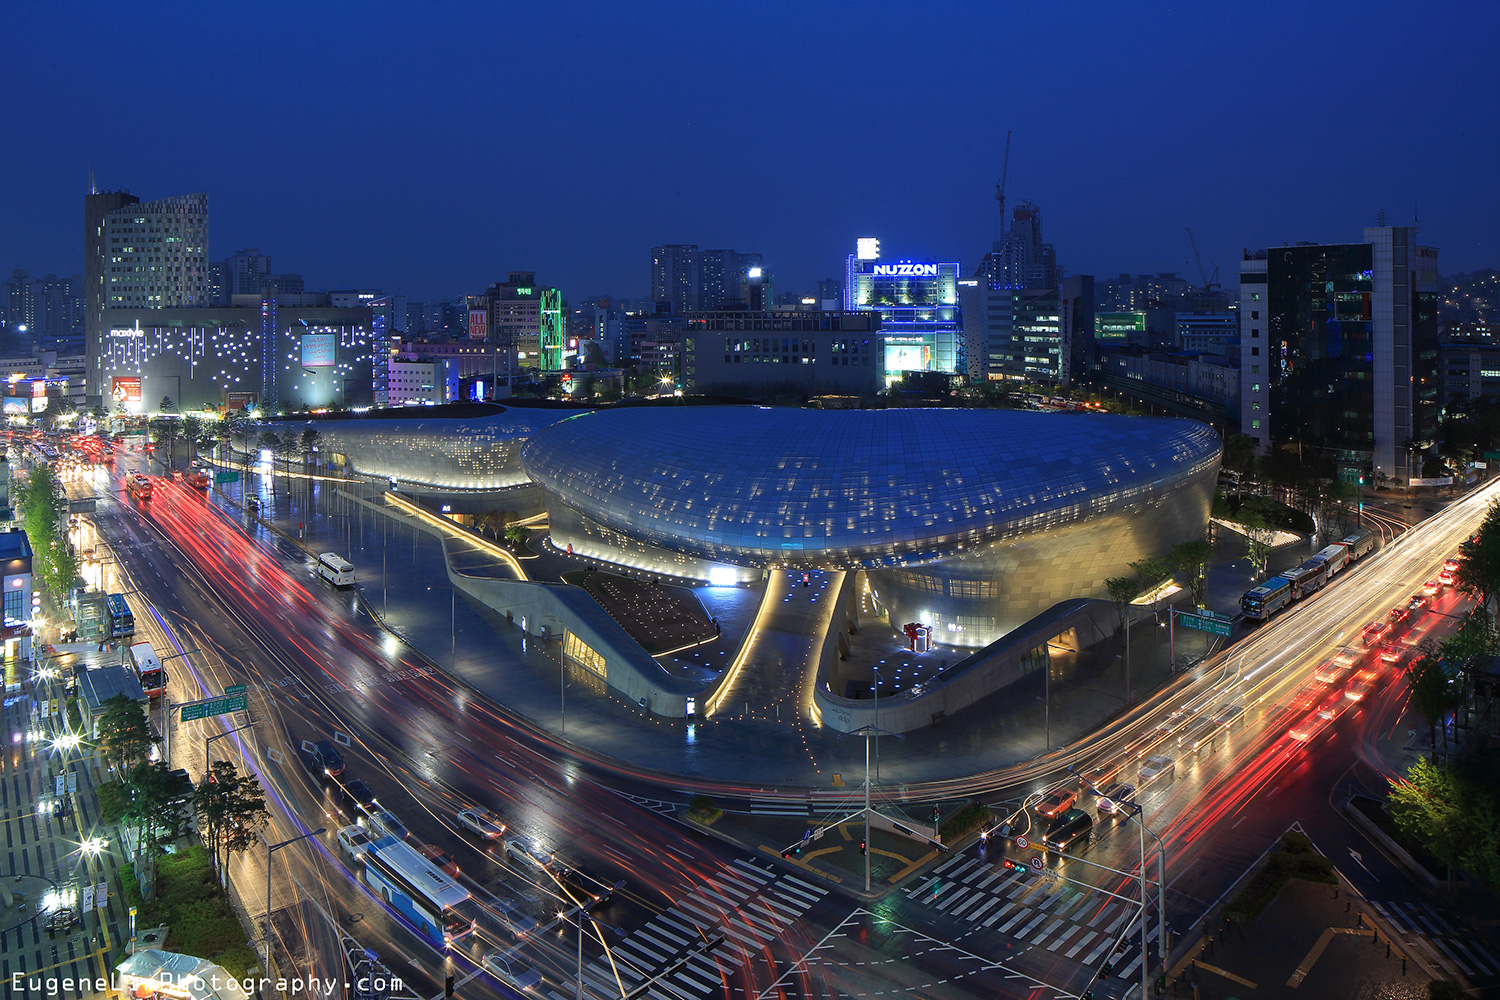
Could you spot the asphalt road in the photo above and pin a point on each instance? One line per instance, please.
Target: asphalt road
(317, 668)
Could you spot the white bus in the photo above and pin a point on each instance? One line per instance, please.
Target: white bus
(417, 890)
(148, 669)
(336, 569)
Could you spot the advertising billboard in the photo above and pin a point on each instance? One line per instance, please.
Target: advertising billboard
(1120, 326)
(240, 400)
(125, 388)
(38, 404)
(912, 354)
(479, 324)
(16, 404)
(319, 350)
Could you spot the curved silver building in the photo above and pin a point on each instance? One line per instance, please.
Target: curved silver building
(973, 521)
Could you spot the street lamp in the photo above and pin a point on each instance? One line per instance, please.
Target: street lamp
(271, 850)
(207, 740)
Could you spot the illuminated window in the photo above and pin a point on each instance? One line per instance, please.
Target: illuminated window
(582, 654)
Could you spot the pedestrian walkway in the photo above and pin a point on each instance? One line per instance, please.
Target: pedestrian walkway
(1455, 949)
(1034, 911)
(690, 950)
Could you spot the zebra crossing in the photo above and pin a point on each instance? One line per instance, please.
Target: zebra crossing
(698, 943)
(1455, 948)
(1068, 920)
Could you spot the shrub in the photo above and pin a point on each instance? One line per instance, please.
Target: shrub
(971, 817)
(113, 798)
(1294, 857)
(703, 810)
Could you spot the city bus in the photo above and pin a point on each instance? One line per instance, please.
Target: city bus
(121, 620)
(1267, 599)
(148, 669)
(418, 890)
(336, 569)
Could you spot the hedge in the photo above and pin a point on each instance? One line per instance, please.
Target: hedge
(1295, 857)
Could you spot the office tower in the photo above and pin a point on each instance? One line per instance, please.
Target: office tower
(920, 325)
(674, 277)
(724, 277)
(97, 207)
(1020, 259)
(1338, 352)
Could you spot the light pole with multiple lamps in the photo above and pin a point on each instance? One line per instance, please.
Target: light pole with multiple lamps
(271, 850)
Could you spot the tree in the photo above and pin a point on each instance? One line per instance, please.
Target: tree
(167, 406)
(235, 425)
(123, 733)
(1151, 570)
(157, 796)
(43, 505)
(167, 430)
(1122, 590)
(1425, 806)
(192, 432)
(286, 450)
(1239, 455)
(231, 808)
(1431, 694)
(1258, 535)
(516, 534)
(1190, 559)
(309, 442)
(1478, 573)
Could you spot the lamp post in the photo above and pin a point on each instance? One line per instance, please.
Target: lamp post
(207, 740)
(271, 850)
(876, 669)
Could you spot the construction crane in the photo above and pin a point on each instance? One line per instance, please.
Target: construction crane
(1000, 188)
(1202, 275)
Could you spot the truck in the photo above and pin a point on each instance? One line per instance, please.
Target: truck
(1360, 544)
(1306, 579)
(197, 478)
(138, 485)
(1335, 557)
(1265, 600)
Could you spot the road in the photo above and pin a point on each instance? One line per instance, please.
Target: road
(318, 668)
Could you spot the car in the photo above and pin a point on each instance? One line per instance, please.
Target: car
(1158, 766)
(1116, 798)
(523, 856)
(1103, 775)
(1331, 672)
(581, 886)
(1198, 736)
(1375, 631)
(1331, 707)
(1350, 656)
(1417, 602)
(385, 824)
(441, 859)
(511, 971)
(1068, 829)
(1397, 615)
(354, 842)
(252, 502)
(1229, 715)
(480, 823)
(1446, 578)
(1357, 689)
(1308, 727)
(357, 796)
(1431, 587)
(1451, 565)
(325, 758)
(1056, 802)
(1391, 652)
(1172, 721)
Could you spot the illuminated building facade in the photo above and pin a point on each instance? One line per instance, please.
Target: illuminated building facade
(1339, 350)
(739, 352)
(920, 322)
(294, 354)
(971, 521)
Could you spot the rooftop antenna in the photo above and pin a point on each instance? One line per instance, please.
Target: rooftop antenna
(93, 188)
(1000, 188)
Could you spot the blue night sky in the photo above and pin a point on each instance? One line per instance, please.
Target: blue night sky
(429, 147)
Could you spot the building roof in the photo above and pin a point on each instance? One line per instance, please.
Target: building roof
(760, 486)
(102, 683)
(14, 545)
(198, 978)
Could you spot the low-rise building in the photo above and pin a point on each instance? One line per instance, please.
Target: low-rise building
(745, 353)
(15, 564)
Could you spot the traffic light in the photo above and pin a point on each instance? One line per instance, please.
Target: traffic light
(1109, 966)
(786, 855)
(861, 847)
(1012, 864)
(934, 814)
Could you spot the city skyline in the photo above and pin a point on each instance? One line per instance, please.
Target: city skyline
(368, 170)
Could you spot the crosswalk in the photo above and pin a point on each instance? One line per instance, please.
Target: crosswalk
(1067, 920)
(693, 948)
(1453, 948)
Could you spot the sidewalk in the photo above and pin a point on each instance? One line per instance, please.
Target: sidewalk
(1313, 941)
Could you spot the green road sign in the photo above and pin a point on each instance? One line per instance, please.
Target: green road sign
(231, 476)
(231, 702)
(1216, 625)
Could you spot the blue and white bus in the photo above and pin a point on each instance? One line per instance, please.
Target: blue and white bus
(417, 890)
(1267, 599)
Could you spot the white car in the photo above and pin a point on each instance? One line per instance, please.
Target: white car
(518, 853)
(354, 842)
(385, 824)
(481, 824)
(511, 971)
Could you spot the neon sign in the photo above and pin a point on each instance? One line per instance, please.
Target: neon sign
(905, 270)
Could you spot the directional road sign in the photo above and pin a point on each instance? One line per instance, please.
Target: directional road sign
(229, 476)
(1036, 862)
(232, 701)
(1204, 624)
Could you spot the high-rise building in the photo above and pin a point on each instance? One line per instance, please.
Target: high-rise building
(920, 324)
(1339, 351)
(724, 278)
(675, 277)
(97, 207)
(1020, 259)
